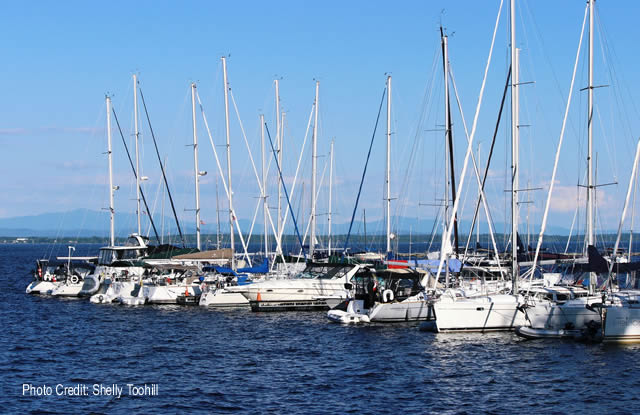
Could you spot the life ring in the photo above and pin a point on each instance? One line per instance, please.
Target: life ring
(74, 279)
(101, 298)
(387, 296)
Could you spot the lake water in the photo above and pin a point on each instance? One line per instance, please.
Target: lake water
(209, 361)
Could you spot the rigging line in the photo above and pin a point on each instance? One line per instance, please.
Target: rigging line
(284, 187)
(144, 199)
(606, 49)
(476, 174)
(624, 212)
(173, 208)
(224, 182)
(472, 136)
(355, 208)
(436, 222)
(306, 231)
(555, 165)
(486, 170)
(575, 215)
(295, 177)
(155, 203)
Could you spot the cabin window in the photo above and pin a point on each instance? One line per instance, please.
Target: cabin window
(106, 257)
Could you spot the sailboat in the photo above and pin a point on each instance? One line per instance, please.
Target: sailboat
(64, 277)
(496, 311)
(121, 268)
(390, 294)
(558, 311)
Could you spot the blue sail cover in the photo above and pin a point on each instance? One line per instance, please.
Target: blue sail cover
(432, 264)
(258, 269)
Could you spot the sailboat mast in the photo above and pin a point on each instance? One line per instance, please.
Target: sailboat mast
(590, 182)
(514, 151)
(449, 131)
(330, 191)
(195, 163)
(217, 217)
(264, 188)
(112, 237)
(279, 152)
(478, 221)
(388, 172)
(137, 136)
(226, 123)
(314, 148)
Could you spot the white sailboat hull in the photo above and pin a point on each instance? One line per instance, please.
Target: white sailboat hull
(621, 320)
(572, 314)
(41, 287)
(67, 289)
(491, 313)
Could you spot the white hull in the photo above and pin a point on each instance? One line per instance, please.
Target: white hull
(67, 290)
(492, 313)
(295, 290)
(412, 309)
(621, 320)
(572, 314)
(116, 291)
(356, 313)
(41, 287)
(221, 297)
(167, 294)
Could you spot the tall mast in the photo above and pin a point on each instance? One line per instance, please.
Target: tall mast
(265, 207)
(449, 131)
(330, 190)
(314, 147)
(217, 217)
(478, 221)
(590, 181)
(514, 151)
(388, 173)
(226, 123)
(195, 163)
(112, 235)
(279, 153)
(137, 135)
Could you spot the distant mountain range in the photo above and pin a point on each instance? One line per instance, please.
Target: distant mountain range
(88, 223)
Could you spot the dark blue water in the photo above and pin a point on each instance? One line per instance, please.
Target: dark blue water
(208, 361)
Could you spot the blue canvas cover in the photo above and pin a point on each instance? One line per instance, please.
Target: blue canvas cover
(432, 264)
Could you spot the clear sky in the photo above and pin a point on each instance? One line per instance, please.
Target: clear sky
(60, 58)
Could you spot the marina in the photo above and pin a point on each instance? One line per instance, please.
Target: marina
(442, 220)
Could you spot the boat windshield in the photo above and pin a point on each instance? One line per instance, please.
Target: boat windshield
(324, 272)
(108, 256)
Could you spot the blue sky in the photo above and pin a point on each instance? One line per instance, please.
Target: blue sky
(59, 60)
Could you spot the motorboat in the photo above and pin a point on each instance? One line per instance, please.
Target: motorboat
(222, 286)
(59, 278)
(387, 295)
(308, 290)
